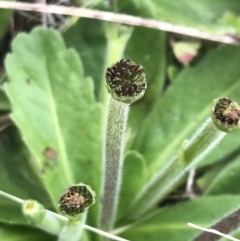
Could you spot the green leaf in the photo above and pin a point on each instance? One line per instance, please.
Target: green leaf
(203, 15)
(134, 176)
(21, 233)
(11, 212)
(100, 45)
(186, 104)
(137, 7)
(151, 55)
(54, 107)
(4, 102)
(6, 182)
(146, 47)
(170, 223)
(209, 174)
(182, 109)
(18, 175)
(87, 36)
(227, 180)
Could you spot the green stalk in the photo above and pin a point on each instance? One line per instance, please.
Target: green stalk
(41, 218)
(74, 203)
(225, 118)
(73, 229)
(126, 83)
(116, 124)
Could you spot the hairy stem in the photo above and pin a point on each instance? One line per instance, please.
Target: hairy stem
(73, 229)
(116, 124)
(126, 82)
(225, 117)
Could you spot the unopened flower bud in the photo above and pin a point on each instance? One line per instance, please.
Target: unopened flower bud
(126, 81)
(76, 199)
(226, 114)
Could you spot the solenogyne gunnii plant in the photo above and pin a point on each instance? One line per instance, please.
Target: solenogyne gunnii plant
(126, 83)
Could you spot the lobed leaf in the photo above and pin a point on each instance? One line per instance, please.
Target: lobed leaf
(54, 108)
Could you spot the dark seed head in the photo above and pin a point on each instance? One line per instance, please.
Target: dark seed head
(76, 199)
(226, 114)
(126, 81)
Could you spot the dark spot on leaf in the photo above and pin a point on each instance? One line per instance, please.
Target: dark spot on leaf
(4, 140)
(28, 81)
(50, 154)
(89, 163)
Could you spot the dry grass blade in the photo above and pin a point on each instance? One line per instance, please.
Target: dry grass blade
(118, 18)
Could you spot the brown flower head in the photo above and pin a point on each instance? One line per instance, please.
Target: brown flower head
(76, 199)
(226, 114)
(126, 81)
